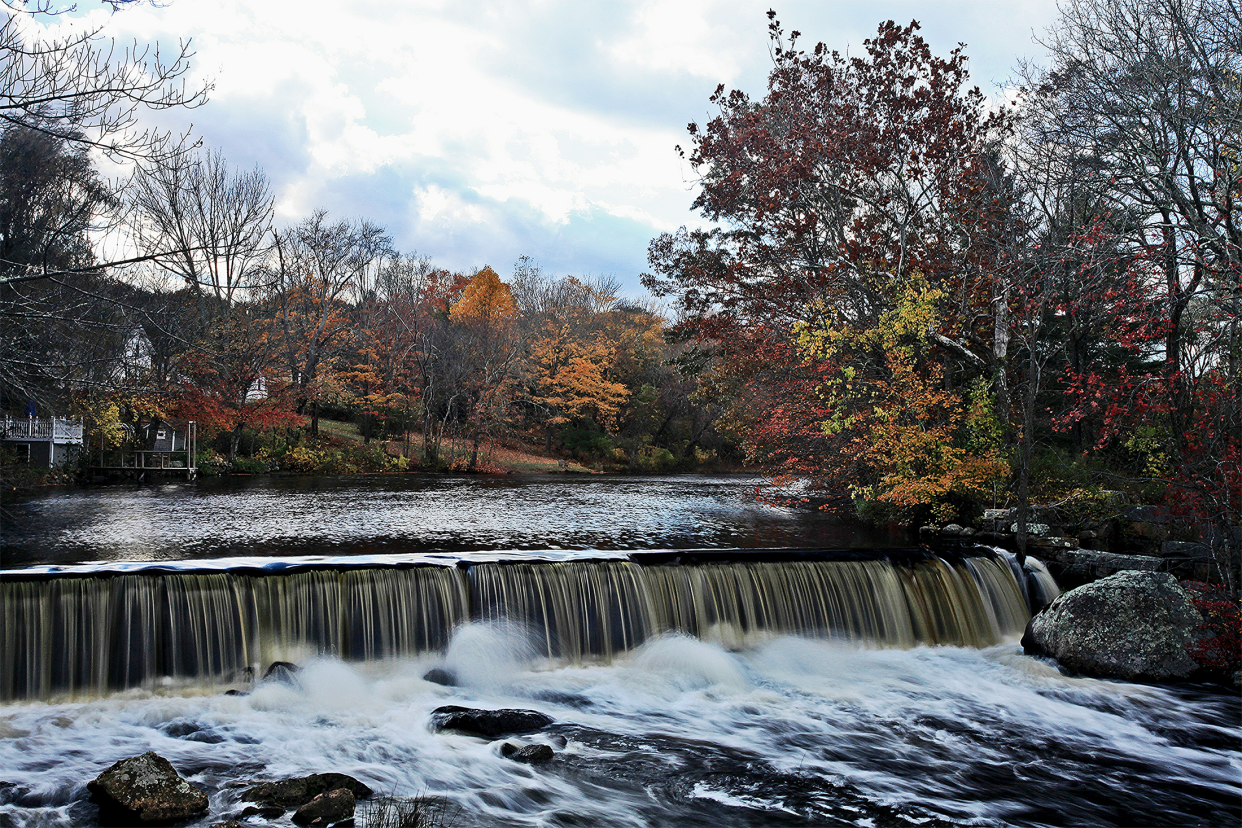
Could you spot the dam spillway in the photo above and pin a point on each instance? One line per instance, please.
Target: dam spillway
(92, 630)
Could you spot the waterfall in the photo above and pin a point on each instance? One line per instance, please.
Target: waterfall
(106, 631)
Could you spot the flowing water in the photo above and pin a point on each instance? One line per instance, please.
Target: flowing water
(717, 687)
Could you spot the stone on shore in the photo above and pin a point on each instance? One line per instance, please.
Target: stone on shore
(1137, 626)
(145, 790)
(491, 724)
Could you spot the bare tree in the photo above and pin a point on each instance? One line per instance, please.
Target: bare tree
(212, 221)
(62, 99)
(88, 90)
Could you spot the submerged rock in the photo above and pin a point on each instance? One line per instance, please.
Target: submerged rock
(528, 754)
(282, 671)
(145, 790)
(327, 808)
(491, 724)
(296, 792)
(265, 811)
(1138, 626)
(439, 675)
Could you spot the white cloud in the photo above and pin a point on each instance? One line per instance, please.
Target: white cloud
(487, 130)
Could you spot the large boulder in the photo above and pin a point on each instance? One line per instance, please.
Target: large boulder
(1138, 626)
(296, 792)
(491, 724)
(145, 790)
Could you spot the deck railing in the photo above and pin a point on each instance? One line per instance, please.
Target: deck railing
(55, 429)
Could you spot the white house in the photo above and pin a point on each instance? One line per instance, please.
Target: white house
(43, 441)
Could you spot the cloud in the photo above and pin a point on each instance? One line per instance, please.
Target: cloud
(481, 132)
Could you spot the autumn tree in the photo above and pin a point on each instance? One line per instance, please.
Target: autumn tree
(483, 349)
(393, 327)
(572, 351)
(849, 181)
(314, 271)
(1145, 94)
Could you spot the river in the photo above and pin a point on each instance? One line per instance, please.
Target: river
(773, 714)
(290, 516)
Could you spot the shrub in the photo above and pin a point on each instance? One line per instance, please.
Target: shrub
(303, 460)
(656, 459)
(249, 465)
(1221, 650)
(399, 812)
(586, 443)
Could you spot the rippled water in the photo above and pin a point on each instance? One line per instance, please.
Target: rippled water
(375, 515)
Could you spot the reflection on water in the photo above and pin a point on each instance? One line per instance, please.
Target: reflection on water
(417, 513)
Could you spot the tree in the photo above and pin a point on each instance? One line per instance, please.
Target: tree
(851, 180)
(51, 198)
(1146, 93)
(923, 444)
(484, 347)
(212, 219)
(85, 90)
(318, 266)
(393, 329)
(571, 350)
(61, 99)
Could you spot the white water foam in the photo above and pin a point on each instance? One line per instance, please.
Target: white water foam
(678, 732)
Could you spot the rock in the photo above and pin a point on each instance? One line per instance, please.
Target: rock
(296, 792)
(528, 754)
(283, 671)
(968, 532)
(952, 529)
(438, 675)
(266, 811)
(1186, 550)
(1074, 567)
(327, 808)
(1036, 529)
(1132, 625)
(997, 519)
(145, 790)
(12, 792)
(228, 823)
(491, 724)
(237, 692)
(192, 732)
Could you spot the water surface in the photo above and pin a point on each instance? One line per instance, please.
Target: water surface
(274, 516)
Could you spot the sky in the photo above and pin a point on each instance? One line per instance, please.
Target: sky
(480, 132)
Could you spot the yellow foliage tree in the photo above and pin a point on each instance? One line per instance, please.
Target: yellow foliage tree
(486, 301)
(922, 441)
(571, 377)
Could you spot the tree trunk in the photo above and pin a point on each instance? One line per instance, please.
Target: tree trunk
(1025, 448)
(1000, 358)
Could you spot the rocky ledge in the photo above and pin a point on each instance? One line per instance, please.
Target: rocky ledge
(1137, 626)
